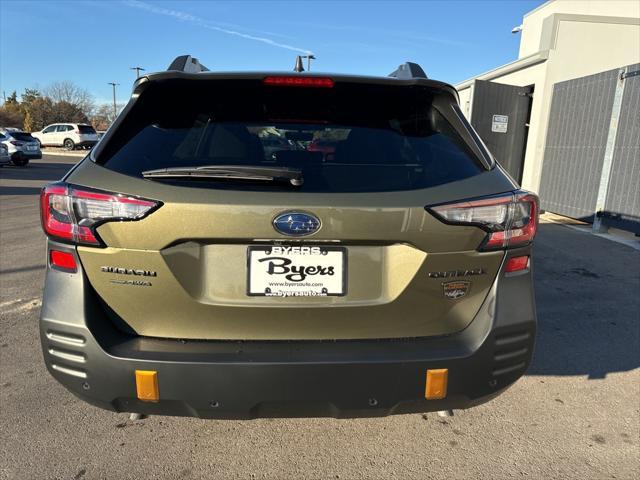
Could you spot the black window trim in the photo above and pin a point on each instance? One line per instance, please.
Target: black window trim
(487, 159)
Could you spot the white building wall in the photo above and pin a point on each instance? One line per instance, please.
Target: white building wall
(532, 23)
(465, 101)
(586, 47)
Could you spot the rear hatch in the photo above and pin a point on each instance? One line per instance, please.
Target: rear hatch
(337, 244)
(24, 141)
(87, 133)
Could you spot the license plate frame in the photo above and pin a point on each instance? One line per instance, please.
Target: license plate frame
(286, 291)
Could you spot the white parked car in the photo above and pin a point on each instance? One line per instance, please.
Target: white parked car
(21, 147)
(67, 135)
(4, 154)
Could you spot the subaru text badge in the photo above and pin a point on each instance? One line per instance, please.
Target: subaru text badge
(296, 224)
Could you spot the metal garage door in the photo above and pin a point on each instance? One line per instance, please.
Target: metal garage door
(591, 162)
(500, 115)
(622, 200)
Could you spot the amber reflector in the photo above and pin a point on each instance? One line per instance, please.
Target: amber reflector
(436, 384)
(147, 385)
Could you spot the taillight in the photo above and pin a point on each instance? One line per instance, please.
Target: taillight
(294, 81)
(510, 220)
(71, 214)
(16, 143)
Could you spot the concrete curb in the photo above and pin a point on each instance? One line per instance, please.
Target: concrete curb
(614, 235)
(66, 153)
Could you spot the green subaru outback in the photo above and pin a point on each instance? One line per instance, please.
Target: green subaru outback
(244, 245)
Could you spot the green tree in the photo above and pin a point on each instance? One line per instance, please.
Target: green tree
(40, 114)
(10, 117)
(68, 112)
(29, 95)
(11, 113)
(12, 100)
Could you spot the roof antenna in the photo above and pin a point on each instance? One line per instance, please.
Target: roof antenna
(299, 67)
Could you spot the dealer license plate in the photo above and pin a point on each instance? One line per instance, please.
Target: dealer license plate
(296, 271)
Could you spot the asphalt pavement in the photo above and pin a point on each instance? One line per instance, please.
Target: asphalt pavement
(575, 414)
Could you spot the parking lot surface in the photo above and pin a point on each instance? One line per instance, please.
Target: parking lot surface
(575, 414)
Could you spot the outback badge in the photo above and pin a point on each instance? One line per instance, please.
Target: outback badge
(455, 290)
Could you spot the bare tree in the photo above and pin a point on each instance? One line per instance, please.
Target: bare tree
(103, 116)
(66, 91)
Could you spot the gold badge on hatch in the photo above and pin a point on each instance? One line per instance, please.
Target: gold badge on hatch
(455, 290)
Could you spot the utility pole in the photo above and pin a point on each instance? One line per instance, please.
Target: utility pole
(115, 109)
(138, 70)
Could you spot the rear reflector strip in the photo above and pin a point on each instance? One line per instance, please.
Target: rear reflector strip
(70, 356)
(517, 264)
(69, 371)
(65, 338)
(63, 260)
(293, 81)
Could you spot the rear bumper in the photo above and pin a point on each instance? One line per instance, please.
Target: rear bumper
(225, 379)
(21, 154)
(86, 143)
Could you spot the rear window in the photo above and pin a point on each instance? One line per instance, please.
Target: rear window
(349, 138)
(23, 136)
(86, 129)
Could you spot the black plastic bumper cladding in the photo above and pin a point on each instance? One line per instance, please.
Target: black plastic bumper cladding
(90, 357)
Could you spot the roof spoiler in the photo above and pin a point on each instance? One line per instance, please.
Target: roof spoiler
(408, 71)
(187, 64)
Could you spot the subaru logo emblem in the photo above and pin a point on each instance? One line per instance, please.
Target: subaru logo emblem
(296, 224)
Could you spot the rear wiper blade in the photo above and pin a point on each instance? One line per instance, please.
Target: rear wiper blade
(231, 172)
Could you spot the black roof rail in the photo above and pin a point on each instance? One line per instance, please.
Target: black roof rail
(408, 71)
(187, 64)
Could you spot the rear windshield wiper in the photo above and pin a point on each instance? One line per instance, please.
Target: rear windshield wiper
(230, 172)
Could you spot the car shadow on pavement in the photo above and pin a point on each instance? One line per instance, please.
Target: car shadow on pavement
(30, 268)
(588, 303)
(19, 190)
(29, 180)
